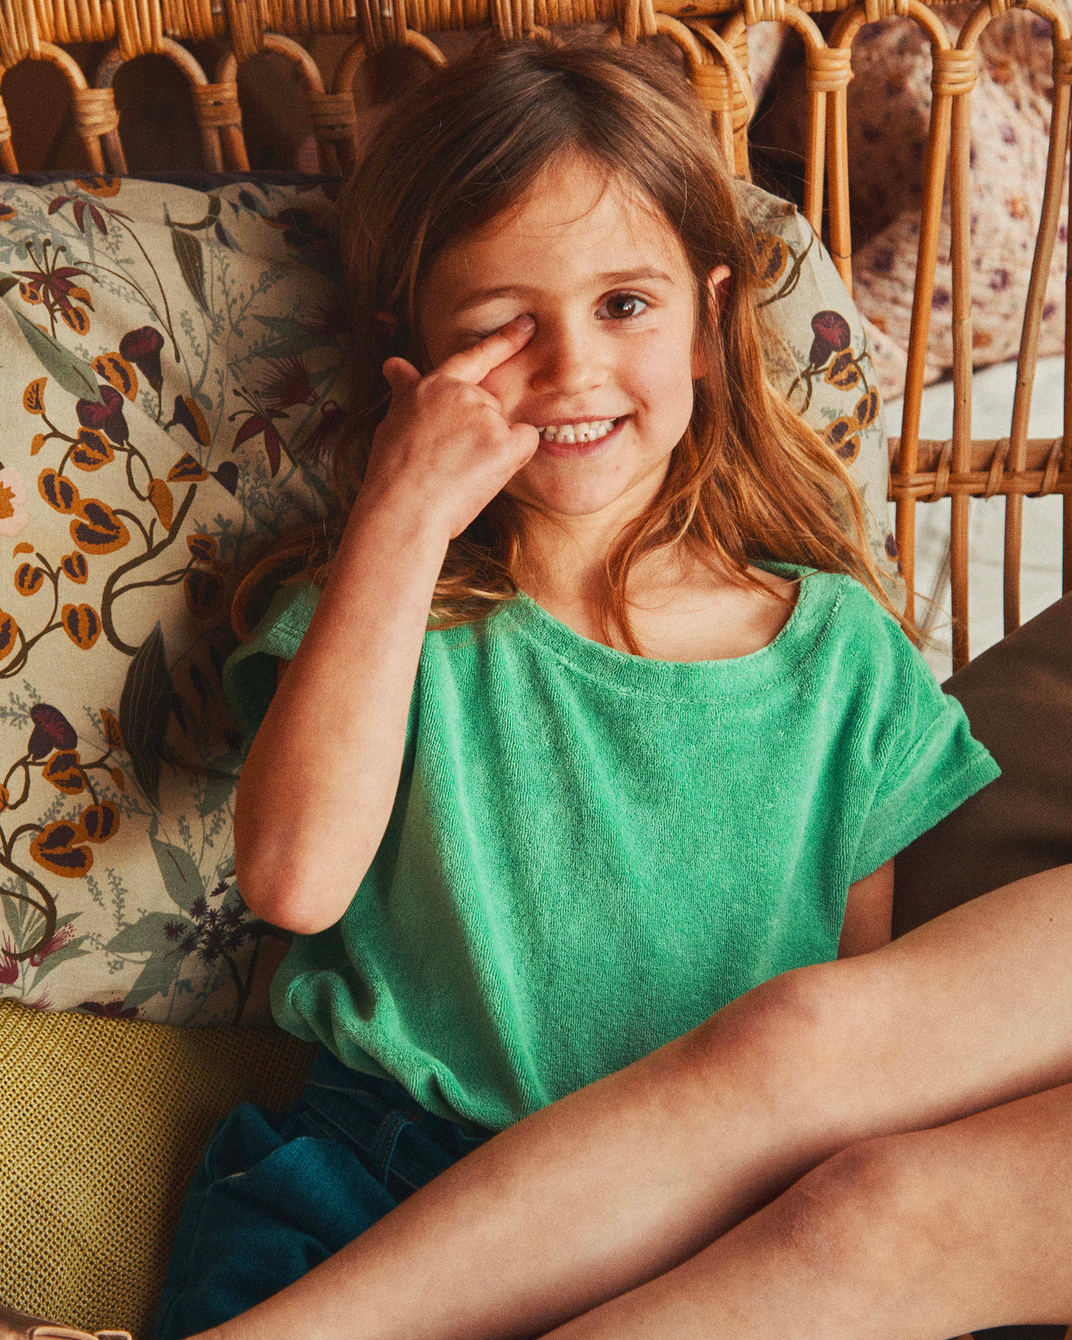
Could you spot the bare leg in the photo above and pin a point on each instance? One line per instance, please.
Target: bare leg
(908, 1237)
(628, 1178)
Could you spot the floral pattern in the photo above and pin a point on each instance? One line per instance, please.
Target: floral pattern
(829, 378)
(166, 372)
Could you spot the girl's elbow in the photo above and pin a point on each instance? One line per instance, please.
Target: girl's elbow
(284, 899)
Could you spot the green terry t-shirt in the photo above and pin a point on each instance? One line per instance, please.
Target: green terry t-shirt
(591, 852)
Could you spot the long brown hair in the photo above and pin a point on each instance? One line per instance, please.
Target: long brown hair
(749, 480)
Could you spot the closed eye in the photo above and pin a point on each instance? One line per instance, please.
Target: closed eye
(624, 306)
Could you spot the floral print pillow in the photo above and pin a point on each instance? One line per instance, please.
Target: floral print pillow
(173, 359)
(821, 358)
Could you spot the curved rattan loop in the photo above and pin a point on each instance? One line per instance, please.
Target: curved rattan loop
(425, 47)
(342, 81)
(637, 18)
(8, 162)
(724, 90)
(100, 106)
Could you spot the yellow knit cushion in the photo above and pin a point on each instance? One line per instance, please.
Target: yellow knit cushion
(101, 1126)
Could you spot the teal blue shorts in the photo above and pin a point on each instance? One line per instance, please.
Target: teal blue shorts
(277, 1193)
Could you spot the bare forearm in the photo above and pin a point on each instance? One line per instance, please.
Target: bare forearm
(335, 731)
(622, 1181)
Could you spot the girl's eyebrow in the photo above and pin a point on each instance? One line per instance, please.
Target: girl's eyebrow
(610, 277)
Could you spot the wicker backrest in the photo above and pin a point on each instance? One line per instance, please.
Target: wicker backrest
(712, 37)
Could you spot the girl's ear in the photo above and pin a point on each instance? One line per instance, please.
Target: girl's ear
(716, 287)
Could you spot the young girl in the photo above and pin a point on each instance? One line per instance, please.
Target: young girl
(594, 712)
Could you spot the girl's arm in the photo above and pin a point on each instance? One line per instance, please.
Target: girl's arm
(868, 922)
(317, 787)
(621, 1181)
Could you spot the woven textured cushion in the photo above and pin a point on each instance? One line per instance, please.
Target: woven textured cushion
(1018, 697)
(103, 1125)
(171, 356)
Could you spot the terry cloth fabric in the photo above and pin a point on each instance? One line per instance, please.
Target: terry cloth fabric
(591, 852)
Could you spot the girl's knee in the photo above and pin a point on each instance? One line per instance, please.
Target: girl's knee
(867, 1213)
(791, 1030)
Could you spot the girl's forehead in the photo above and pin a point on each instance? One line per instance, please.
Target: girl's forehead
(573, 220)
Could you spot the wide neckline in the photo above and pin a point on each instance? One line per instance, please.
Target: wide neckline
(817, 595)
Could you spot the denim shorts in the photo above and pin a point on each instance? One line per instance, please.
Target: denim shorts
(277, 1193)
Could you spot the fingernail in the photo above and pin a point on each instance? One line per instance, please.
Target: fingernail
(525, 322)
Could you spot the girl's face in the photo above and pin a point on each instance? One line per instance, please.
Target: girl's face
(607, 374)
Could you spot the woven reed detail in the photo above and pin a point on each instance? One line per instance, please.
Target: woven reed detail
(191, 19)
(764, 11)
(955, 72)
(94, 111)
(874, 10)
(245, 24)
(941, 474)
(139, 29)
(985, 475)
(19, 35)
(217, 104)
(1053, 468)
(997, 469)
(1062, 60)
(828, 68)
(333, 115)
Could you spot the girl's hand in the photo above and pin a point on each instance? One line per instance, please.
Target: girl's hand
(444, 446)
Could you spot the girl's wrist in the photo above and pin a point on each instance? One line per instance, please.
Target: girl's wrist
(400, 520)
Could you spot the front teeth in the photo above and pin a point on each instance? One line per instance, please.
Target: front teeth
(577, 432)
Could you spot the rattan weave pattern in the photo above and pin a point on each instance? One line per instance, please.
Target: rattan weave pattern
(103, 1122)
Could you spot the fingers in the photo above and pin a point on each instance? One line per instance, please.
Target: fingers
(472, 365)
(400, 374)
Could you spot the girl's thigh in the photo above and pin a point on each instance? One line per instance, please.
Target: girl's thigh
(943, 1231)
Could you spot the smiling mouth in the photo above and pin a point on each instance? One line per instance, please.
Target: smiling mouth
(578, 432)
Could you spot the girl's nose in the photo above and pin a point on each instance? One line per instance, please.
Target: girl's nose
(566, 361)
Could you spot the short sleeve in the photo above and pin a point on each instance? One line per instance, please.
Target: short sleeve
(933, 767)
(250, 673)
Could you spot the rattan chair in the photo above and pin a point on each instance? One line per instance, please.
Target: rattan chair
(712, 37)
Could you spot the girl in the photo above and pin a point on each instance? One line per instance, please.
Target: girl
(593, 710)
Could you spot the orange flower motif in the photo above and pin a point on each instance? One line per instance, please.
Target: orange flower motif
(58, 848)
(99, 186)
(82, 625)
(64, 771)
(28, 579)
(772, 256)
